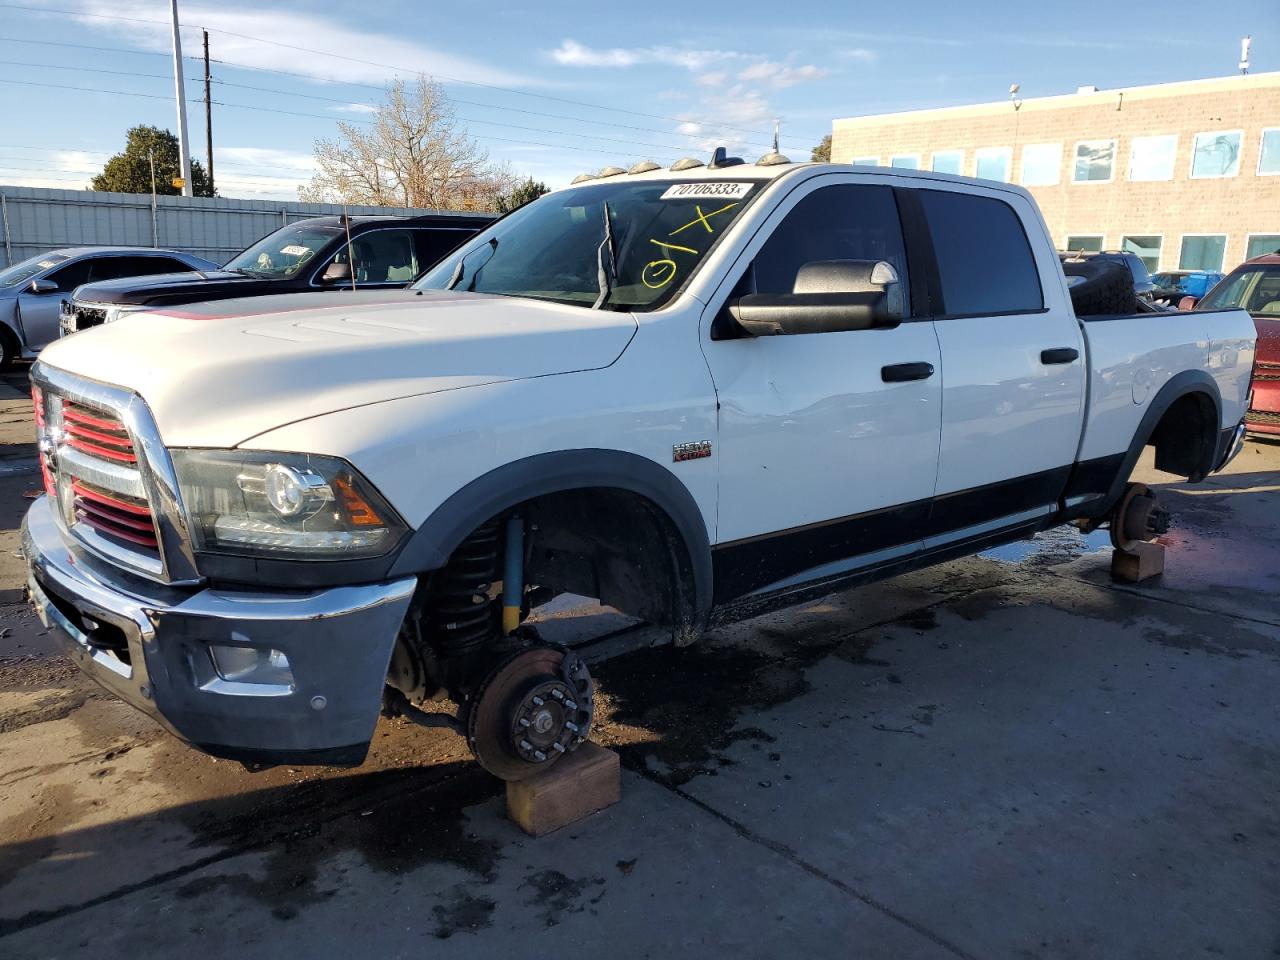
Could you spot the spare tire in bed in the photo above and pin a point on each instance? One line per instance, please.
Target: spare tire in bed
(1100, 287)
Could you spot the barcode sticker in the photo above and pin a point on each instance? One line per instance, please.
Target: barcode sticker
(698, 191)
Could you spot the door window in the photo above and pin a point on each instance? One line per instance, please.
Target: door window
(985, 264)
(382, 256)
(72, 275)
(144, 266)
(844, 222)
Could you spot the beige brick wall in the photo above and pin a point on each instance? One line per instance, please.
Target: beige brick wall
(1236, 206)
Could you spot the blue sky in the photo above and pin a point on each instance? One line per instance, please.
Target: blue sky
(574, 87)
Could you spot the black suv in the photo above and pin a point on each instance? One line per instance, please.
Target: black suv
(1142, 285)
(320, 253)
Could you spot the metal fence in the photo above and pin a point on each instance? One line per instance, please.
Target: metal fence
(37, 219)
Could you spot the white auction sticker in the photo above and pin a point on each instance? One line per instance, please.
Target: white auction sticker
(294, 250)
(715, 191)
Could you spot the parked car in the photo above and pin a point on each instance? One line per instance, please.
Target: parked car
(690, 393)
(1142, 284)
(31, 289)
(1255, 286)
(1173, 285)
(313, 254)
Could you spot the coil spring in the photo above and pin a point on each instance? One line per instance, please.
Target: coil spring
(461, 615)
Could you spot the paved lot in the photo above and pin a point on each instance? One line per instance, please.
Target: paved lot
(1006, 756)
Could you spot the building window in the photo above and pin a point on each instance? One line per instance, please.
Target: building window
(1216, 154)
(1151, 158)
(992, 163)
(1259, 244)
(1269, 153)
(905, 161)
(948, 161)
(1095, 160)
(1202, 252)
(1041, 163)
(866, 161)
(1146, 247)
(1086, 243)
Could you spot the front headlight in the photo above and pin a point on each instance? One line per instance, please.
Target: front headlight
(114, 312)
(294, 505)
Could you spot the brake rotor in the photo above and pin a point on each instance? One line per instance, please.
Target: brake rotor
(530, 710)
(1138, 517)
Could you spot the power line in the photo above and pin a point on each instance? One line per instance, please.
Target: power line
(384, 66)
(369, 86)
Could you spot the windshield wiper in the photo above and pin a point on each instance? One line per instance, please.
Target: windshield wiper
(606, 277)
(459, 271)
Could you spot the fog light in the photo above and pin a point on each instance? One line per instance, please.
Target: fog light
(252, 665)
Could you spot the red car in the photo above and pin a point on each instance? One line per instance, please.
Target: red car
(1255, 286)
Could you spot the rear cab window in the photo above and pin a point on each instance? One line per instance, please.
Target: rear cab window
(985, 262)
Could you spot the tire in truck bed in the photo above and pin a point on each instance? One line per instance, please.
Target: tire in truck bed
(1103, 287)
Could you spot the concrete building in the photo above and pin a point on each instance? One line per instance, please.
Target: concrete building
(1186, 175)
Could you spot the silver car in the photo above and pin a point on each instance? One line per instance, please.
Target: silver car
(31, 291)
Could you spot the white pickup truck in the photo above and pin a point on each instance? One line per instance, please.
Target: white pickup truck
(685, 392)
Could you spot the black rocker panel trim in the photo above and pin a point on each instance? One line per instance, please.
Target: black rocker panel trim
(746, 565)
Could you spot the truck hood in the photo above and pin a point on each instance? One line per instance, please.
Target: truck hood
(171, 287)
(216, 374)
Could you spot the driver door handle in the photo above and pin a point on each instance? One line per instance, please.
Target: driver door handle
(904, 372)
(1059, 355)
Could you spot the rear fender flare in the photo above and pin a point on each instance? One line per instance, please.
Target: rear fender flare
(1177, 387)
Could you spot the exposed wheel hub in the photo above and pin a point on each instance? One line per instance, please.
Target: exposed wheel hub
(532, 708)
(1138, 517)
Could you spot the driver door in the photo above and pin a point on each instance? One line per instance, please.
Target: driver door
(38, 312)
(827, 461)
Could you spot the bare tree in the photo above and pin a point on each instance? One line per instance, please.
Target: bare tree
(414, 154)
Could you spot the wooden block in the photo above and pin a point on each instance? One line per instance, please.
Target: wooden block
(1142, 562)
(575, 787)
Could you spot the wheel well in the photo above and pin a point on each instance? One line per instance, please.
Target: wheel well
(12, 344)
(1186, 436)
(615, 545)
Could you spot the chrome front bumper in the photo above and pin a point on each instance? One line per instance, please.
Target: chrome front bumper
(323, 653)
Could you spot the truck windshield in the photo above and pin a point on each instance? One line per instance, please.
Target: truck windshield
(564, 248)
(1256, 289)
(24, 270)
(283, 253)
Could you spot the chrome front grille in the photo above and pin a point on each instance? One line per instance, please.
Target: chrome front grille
(109, 476)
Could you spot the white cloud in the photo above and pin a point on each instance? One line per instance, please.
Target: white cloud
(377, 57)
(265, 158)
(715, 79)
(571, 53)
(860, 55)
(780, 75)
(364, 109)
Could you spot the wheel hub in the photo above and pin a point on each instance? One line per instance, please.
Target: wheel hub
(531, 709)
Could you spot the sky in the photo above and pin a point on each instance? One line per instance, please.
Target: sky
(572, 87)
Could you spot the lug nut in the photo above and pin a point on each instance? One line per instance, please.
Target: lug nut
(539, 755)
(571, 727)
(557, 693)
(524, 721)
(559, 748)
(538, 701)
(526, 745)
(570, 705)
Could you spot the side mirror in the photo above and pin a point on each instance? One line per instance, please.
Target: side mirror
(336, 273)
(829, 296)
(43, 286)
(1188, 303)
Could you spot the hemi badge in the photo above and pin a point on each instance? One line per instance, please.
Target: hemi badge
(695, 450)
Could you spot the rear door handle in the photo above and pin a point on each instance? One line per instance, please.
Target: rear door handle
(1059, 355)
(903, 372)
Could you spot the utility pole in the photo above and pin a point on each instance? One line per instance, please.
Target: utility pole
(184, 155)
(208, 114)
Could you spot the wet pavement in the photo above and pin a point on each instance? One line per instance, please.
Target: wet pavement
(1005, 756)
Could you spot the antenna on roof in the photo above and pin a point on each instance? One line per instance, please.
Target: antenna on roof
(1245, 44)
(776, 124)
